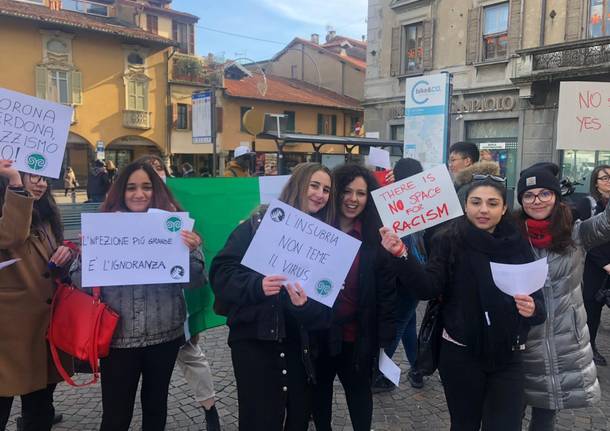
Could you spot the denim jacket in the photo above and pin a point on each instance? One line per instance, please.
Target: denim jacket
(149, 314)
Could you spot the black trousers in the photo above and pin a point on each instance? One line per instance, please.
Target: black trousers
(477, 397)
(542, 419)
(36, 410)
(356, 383)
(121, 372)
(272, 389)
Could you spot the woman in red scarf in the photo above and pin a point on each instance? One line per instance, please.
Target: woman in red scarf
(558, 359)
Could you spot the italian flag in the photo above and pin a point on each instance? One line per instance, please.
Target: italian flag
(218, 205)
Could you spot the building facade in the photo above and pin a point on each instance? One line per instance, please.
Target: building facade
(506, 59)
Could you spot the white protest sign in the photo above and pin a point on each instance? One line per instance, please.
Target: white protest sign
(304, 249)
(418, 202)
(33, 133)
(134, 248)
(380, 158)
(583, 121)
(522, 279)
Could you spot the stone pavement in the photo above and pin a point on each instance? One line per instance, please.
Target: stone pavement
(403, 409)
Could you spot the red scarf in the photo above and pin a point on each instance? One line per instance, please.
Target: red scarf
(539, 232)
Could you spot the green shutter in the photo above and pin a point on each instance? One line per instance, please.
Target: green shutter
(41, 82)
(320, 124)
(77, 88)
(334, 125)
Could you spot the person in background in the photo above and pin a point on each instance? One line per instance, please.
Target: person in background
(31, 231)
(70, 183)
(596, 280)
(270, 320)
(462, 155)
(484, 329)
(240, 165)
(406, 316)
(464, 178)
(150, 331)
(111, 169)
(364, 311)
(191, 359)
(187, 170)
(98, 182)
(558, 359)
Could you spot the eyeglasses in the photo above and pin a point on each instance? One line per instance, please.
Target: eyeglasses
(605, 178)
(543, 196)
(35, 179)
(481, 177)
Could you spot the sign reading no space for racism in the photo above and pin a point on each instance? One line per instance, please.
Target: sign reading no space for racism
(304, 249)
(122, 249)
(418, 202)
(33, 133)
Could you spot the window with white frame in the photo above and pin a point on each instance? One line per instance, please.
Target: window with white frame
(58, 86)
(495, 31)
(57, 79)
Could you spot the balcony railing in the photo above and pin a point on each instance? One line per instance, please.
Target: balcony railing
(85, 6)
(136, 119)
(563, 59)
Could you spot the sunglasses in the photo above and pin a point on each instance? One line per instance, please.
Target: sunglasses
(480, 177)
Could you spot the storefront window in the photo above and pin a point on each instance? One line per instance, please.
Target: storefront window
(577, 165)
(497, 141)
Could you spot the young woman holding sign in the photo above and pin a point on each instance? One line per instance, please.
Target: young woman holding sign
(559, 368)
(31, 231)
(151, 325)
(485, 330)
(363, 315)
(269, 319)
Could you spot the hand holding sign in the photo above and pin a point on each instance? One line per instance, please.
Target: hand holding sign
(272, 284)
(418, 202)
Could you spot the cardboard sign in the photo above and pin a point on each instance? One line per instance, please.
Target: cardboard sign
(121, 249)
(418, 202)
(380, 158)
(583, 121)
(33, 133)
(304, 249)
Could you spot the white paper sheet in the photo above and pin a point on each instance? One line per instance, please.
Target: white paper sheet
(389, 368)
(522, 279)
(380, 158)
(8, 263)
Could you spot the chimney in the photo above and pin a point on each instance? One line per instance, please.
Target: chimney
(315, 38)
(330, 35)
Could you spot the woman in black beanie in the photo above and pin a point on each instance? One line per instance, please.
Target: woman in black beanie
(558, 359)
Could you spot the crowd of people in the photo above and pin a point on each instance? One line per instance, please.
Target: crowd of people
(499, 354)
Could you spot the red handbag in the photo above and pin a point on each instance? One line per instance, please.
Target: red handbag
(81, 326)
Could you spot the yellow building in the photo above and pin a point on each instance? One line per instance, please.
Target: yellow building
(109, 59)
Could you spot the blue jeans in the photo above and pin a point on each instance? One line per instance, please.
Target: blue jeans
(406, 328)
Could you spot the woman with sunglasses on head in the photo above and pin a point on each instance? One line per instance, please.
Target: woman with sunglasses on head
(558, 362)
(484, 329)
(30, 231)
(269, 319)
(151, 325)
(596, 279)
(364, 311)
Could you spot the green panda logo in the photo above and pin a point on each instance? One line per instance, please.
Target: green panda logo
(173, 224)
(36, 161)
(324, 286)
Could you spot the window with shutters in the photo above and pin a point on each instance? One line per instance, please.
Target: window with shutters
(58, 86)
(137, 95)
(327, 124)
(57, 79)
(152, 23)
(184, 34)
(495, 31)
(182, 116)
(599, 20)
(413, 59)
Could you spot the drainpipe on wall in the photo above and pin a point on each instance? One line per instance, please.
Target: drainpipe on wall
(542, 22)
(168, 95)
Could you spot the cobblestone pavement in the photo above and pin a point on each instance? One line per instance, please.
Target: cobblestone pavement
(403, 409)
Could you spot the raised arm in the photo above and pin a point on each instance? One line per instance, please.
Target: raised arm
(593, 231)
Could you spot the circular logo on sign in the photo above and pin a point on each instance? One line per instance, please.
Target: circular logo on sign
(277, 214)
(173, 224)
(324, 286)
(177, 272)
(36, 161)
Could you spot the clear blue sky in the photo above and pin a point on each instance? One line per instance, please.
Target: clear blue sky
(274, 20)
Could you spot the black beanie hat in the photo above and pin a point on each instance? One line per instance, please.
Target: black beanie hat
(541, 175)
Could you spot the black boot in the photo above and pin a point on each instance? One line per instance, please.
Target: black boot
(212, 421)
(56, 419)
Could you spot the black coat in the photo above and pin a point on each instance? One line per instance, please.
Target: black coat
(98, 183)
(250, 314)
(376, 313)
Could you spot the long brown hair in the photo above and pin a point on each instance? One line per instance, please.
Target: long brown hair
(161, 197)
(295, 191)
(151, 159)
(560, 226)
(593, 182)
